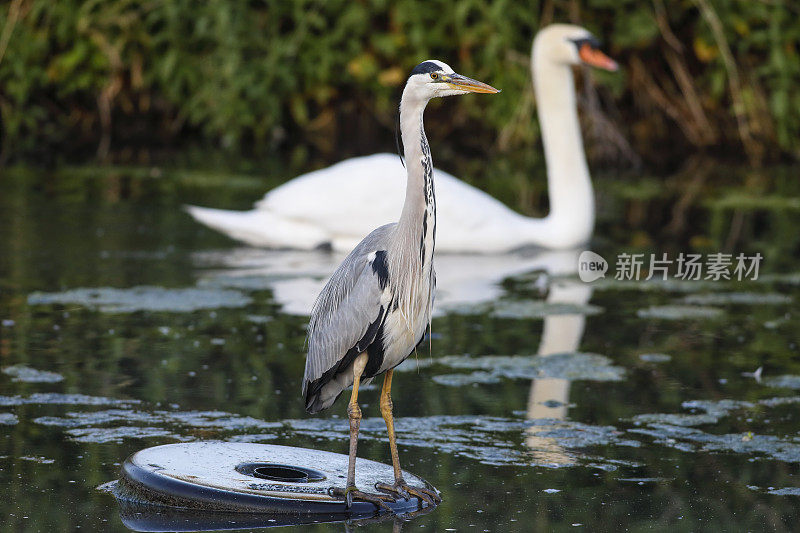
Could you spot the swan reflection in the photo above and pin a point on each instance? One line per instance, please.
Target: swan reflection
(549, 397)
(296, 277)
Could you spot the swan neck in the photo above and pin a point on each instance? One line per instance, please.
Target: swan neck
(569, 183)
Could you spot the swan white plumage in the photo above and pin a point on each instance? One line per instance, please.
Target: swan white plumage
(338, 205)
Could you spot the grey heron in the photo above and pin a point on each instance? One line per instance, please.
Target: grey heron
(375, 308)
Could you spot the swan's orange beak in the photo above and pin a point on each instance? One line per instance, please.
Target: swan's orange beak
(594, 57)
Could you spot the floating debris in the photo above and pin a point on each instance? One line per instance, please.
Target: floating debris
(778, 322)
(109, 487)
(190, 419)
(488, 440)
(8, 419)
(675, 419)
(259, 319)
(143, 298)
(246, 283)
(679, 312)
(782, 382)
(714, 411)
(97, 418)
(539, 309)
(783, 400)
(717, 408)
(137, 254)
(118, 434)
(738, 298)
(31, 375)
(40, 460)
(575, 435)
(54, 398)
(657, 285)
(490, 368)
(786, 491)
(260, 437)
(524, 309)
(655, 357)
(755, 375)
(460, 380)
(791, 278)
(674, 431)
(89, 426)
(693, 440)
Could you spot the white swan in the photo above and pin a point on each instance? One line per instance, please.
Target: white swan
(338, 205)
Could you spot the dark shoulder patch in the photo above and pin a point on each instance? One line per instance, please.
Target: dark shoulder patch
(381, 268)
(426, 67)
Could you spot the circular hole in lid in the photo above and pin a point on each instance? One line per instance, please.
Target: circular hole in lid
(280, 472)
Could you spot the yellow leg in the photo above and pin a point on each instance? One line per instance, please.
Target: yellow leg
(388, 417)
(351, 492)
(400, 487)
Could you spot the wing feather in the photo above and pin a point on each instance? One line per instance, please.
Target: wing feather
(346, 315)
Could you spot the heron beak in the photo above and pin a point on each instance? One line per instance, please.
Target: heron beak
(463, 83)
(594, 57)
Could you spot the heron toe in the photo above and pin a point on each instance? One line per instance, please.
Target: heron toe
(403, 490)
(352, 493)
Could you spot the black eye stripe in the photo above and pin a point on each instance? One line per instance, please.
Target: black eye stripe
(426, 67)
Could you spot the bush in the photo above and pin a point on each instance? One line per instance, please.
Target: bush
(716, 75)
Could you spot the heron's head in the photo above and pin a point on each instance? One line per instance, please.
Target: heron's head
(434, 78)
(570, 45)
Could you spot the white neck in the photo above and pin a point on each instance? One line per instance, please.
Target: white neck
(412, 246)
(571, 217)
(417, 157)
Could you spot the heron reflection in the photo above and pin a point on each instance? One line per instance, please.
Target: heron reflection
(466, 281)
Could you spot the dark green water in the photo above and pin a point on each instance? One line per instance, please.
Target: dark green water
(196, 344)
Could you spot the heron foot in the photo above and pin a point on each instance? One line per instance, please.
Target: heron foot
(352, 493)
(403, 490)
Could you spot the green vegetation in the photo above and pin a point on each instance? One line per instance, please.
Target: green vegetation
(115, 78)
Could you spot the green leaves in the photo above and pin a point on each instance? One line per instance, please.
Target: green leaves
(236, 73)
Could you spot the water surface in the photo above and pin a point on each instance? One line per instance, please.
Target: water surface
(538, 402)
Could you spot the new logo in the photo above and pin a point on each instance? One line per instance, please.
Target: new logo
(591, 266)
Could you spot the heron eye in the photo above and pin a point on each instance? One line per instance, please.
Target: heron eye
(434, 76)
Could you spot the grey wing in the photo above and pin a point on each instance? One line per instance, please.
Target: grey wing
(345, 318)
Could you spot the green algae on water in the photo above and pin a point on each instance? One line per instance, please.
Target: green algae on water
(8, 419)
(738, 298)
(143, 298)
(31, 375)
(679, 312)
(490, 368)
(655, 357)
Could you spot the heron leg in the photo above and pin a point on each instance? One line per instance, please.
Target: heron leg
(400, 487)
(354, 414)
(388, 416)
